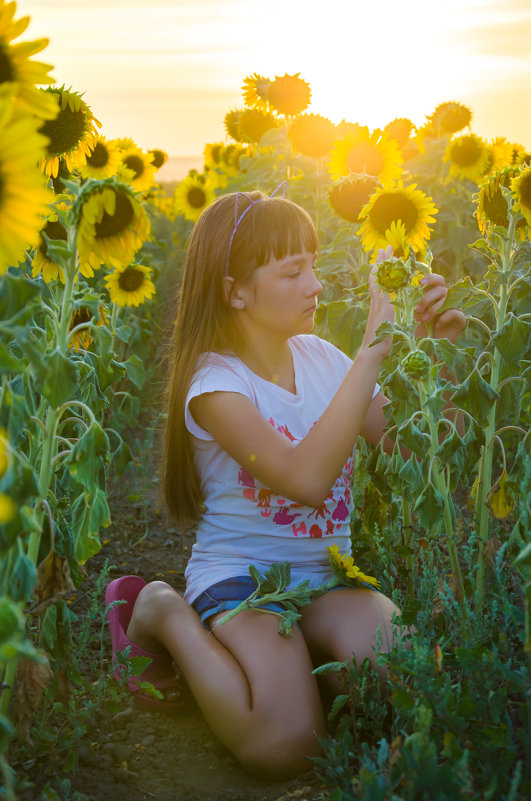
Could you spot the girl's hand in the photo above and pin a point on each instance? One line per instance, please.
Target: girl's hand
(447, 325)
(381, 309)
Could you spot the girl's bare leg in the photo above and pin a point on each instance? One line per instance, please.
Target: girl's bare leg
(254, 687)
(346, 622)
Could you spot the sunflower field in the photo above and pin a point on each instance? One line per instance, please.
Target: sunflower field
(91, 251)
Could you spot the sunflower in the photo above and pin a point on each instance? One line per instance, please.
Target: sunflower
(349, 196)
(469, 157)
(289, 94)
(425, 132)
(103, 161)
(19, 76)
(71, 134)
(130, 286)
(344, 568)
(56, 231)
(137, 168)
(112, 223)
(345, 128)
(255, 88)
(519, 155)
(312, 134)
(159, 157)
(232, 124)
(24, 198)
(365, 153)
(521, 188)
(501, 151)
(451, 117)
(212, 155)
(399, 130)
(396, 236)
(388, 205)
(492, 206)
(123, 143)
(192, 195)
(83, 338)
(62, 173)
(253, 124)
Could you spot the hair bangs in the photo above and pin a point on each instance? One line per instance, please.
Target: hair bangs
(274, 228)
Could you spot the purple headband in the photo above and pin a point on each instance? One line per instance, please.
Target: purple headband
(237, 220)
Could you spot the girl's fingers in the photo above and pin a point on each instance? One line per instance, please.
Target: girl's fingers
(433, 297)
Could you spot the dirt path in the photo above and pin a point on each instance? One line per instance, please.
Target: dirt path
(136, 755)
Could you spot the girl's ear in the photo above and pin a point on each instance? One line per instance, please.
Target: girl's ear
(233, 296)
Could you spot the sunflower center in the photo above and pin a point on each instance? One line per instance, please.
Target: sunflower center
(389, 208)
(81, 315)
(158, 158)
(196, 197)
(65, 132)
(112, 224)
(99, 156)
(7, 73)
(525, 190)
(131, 280)
(495, 208)
(53, 230)
(216, 153)
(365, 158)
(466, 152)
(135, 164)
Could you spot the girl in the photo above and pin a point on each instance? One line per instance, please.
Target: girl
(262, 421)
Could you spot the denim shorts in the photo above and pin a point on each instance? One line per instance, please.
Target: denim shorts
(229, 593)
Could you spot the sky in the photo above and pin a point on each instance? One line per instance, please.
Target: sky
(165, 72)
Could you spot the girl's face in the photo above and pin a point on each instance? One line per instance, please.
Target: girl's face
(281, 296)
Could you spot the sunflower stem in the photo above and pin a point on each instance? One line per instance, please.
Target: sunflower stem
(485, 460)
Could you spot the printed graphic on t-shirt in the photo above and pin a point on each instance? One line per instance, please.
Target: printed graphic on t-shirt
(321, 521)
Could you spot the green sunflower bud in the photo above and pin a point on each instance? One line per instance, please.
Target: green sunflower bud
(11, 620)
(393, 274)
(416, 365)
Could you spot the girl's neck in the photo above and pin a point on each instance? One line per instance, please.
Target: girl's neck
(272, 361)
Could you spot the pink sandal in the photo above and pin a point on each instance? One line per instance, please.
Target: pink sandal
(161, 672)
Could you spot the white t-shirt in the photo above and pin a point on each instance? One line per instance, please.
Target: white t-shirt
(245, 522)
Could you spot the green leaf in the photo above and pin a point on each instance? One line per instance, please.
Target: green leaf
(459, 360)
(465, 296)
(22, 577)
(513, 338)
(287, 619)
(16, 294)
(61, 379)
(329, 667)
(413, 438)
(428, 507)
(276, 578)
(89, 514)
(402, 699)
(87, 456)
(337, 705)
(135, 371)
(8, 362)
(475, 396)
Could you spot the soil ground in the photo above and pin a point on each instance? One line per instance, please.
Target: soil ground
(133, 754)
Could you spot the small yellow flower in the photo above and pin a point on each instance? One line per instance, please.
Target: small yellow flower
(4, 452)
(7, 508)
(344, 568)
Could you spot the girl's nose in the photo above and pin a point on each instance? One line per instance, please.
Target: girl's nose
(316, 286)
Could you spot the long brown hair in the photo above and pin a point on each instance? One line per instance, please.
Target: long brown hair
(274, 227)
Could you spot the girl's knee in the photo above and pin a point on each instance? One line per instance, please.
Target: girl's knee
(280, 757)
